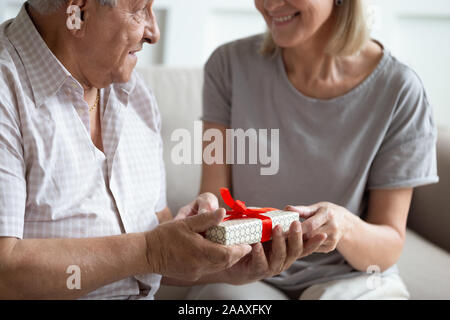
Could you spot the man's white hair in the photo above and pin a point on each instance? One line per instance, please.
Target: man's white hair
(50, 6)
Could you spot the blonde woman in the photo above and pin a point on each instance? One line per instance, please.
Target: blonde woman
(356, 136)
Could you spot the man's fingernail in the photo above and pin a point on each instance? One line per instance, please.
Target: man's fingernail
(202, 211)
(297, 227)
(278, 230)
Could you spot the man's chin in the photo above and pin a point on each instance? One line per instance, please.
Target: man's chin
(128, 70)
(126, 78)
(123, 77)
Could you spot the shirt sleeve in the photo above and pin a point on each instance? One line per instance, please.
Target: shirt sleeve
(162, 201)
(407, 155)
(161, 204)
(217, 89)
(12, 174)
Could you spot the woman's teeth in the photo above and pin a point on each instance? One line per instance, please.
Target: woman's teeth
(286, 18)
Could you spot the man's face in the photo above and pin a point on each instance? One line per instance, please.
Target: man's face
(112, 37)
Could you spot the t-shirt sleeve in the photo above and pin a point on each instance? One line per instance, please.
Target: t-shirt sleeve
(407, 155)
(217, 88)
(13, 189)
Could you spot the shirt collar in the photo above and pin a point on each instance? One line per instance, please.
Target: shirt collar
(45, 72)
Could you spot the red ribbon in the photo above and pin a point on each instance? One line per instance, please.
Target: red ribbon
(240, 211)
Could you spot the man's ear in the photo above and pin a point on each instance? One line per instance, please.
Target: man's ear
(75, 16)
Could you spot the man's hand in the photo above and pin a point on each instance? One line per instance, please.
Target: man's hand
(175, 249)
(271, 258)
(204, 203)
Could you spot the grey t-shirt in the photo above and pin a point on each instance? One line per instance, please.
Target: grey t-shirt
(380, 135)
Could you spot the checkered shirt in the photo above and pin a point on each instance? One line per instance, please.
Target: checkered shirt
(54, 182)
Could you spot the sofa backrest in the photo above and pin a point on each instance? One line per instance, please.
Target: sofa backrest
(178, 92)
(430, 209)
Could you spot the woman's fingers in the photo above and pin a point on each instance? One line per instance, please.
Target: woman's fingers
(185, 212)
(329, 244)
(207, 202)
(315, 222)
(304, 211)
(313, 244)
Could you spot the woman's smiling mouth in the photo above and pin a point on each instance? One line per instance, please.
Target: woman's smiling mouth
(285, 19)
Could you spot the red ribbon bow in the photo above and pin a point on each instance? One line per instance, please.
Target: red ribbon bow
(240, 211)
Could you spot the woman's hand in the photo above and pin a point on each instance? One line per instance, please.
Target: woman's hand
(206, 202)
(323, 217)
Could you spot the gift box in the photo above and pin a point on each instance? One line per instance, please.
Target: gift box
(248, 225)
(249, 230)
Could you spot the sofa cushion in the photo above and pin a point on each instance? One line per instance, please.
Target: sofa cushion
(171, 293)
(424, 267)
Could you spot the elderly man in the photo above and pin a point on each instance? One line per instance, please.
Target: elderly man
(82, 182)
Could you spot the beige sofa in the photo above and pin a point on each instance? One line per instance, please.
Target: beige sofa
(425, 262)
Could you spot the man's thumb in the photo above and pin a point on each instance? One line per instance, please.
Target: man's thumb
(202, 222)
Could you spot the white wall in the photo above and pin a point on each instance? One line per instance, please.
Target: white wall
(416, 31)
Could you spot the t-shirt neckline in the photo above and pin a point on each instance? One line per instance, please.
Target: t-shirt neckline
(348, 94)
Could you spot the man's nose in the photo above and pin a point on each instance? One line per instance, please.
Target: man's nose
(151, 33)
(270, 5)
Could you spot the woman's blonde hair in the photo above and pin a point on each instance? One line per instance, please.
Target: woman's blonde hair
(350, 32)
